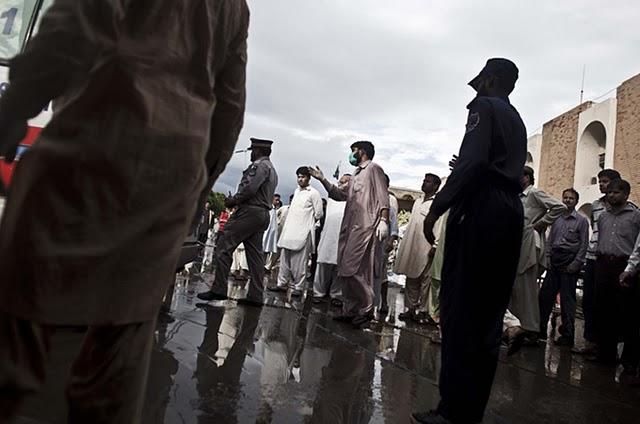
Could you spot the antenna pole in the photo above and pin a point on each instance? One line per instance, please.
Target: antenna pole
(584, 71)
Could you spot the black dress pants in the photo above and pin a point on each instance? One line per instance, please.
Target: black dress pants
(557, 281)
(617, 312)
(482, 249)
(588, 300)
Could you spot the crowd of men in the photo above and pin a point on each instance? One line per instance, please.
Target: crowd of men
(84, 199)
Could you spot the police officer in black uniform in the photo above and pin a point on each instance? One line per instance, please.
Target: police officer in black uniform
(482, 248)
(247, 225)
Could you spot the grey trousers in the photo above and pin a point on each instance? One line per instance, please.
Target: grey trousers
(416, 290)
(327, 280)
(246, 225)
(108, 377)
(524, 299)
(293, 267)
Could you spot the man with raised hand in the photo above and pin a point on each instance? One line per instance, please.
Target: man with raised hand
(366, 218)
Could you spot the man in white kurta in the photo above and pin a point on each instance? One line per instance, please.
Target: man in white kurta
(540, 211)
(415, 252)
(270, 237)
(298, 234)
(326, 278)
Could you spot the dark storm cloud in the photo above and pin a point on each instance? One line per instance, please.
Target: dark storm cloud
(325, 73)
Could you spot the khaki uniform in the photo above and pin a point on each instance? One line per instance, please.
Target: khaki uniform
(150, 100)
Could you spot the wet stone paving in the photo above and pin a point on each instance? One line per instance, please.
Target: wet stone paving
(289, 362)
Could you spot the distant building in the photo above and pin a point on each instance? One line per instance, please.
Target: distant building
(576, 145)
(406, 197)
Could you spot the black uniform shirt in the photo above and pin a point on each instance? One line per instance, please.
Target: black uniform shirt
(493, 152)
(258, 184)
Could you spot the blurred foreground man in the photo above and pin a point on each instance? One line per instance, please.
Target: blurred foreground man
(483, 236)
(150, 101)
(364, 224)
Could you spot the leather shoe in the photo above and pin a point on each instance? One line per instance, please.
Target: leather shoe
(344, 318)
(564, 341)
(336, 302)
(277, 289)
(211, 295)
(361, 320)
(430, 417)
(406, 316)
(515, 337)
(250, 302)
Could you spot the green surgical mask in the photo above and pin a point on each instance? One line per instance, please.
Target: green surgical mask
(353, 160)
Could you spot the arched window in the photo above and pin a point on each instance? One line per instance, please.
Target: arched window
(590, 154)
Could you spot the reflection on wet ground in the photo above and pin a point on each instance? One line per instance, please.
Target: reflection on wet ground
(289, 362)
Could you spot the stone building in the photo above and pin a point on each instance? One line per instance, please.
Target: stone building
(576, 145)
(406, 197)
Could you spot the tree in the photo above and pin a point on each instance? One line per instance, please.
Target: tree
(217, 202)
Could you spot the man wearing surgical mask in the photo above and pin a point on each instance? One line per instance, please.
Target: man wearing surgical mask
(365, 223)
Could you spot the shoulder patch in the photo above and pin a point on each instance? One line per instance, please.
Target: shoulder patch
(472, 122)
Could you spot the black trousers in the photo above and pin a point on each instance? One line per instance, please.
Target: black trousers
(588, 300)
(557, 281)
(617, 312)
(247, 225)
(482, 249)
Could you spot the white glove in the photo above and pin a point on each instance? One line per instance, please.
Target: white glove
(382, 230)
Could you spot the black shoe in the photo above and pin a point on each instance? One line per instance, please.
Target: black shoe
(277, 289)
(406, 316)
(362, 320)
(344, 318)
(564, 341)
(211, 295)
(318, 299)
(337, 302)
(296, 293)
(515, 337)
(430, 417)
(250, 302)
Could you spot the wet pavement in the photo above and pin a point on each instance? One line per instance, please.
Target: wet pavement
(289, 362)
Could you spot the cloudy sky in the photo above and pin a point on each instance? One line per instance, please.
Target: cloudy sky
(325, 73)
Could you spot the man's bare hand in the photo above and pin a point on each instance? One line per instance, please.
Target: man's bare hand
(540, 227)
(574, 267)
(316, 173)
(429, 223)
(453, 161)
(626, 279)
(230, 202)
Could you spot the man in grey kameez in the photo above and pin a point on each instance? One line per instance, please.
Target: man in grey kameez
(540, 211)
(365, 220)
(150, 100)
